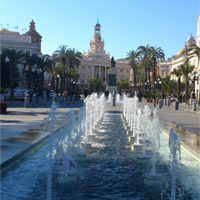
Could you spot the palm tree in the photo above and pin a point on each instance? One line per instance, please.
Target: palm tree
(43, 62)
(15, 58)
(73, 58)
(53, 71)
(133, 57)
(178, 73)
(29, 61)
(61, 55)
(95, 84)
(156, 54)
(186, 69)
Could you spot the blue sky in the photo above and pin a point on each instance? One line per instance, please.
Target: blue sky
(125, 25)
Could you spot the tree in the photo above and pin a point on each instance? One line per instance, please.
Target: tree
(144, 52)
(123, 84)
(133, 57)
(29, 62)
(178, 73)
(167, 85)
(15, 58)
(94, 84)
(186, 70)
(61, 55)
(43, 62)
(156, 54)
(73, 58)
(53, 71)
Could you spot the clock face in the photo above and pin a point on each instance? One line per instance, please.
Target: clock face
(99, 38)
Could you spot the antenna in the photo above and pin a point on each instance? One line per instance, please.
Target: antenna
(22, 30)
(7, 26)
(1, 25)
(17, 28)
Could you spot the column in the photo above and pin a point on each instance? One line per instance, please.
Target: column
(92, 71)
(85, 74)
(100, 72)
(105, 74)
(124, 73)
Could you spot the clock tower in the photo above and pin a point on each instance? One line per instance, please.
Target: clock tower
(97, 45)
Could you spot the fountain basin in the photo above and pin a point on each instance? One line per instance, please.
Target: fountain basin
(129, 133)
(132, 139)
(137, 147)
(87, 145)
(152, 180)
(127, 128)
(80, 156)
(145, 159)
(91, 137)
(67, 178)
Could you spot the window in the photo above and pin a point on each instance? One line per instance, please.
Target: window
(97, 31)
(28, 51)
(162, 74)
(121, 70)
(82, 67)
(89, 67)
(99, 50)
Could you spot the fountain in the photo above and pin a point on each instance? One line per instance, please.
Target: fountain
(137, 146)
(153, 178)
(118, 98)
(174, 146)
(109, 171)
(132, 133)
(50, 159)
(146, 124)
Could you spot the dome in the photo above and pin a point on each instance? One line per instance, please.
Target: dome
(97, 25)
(190, 42)
(180, 52)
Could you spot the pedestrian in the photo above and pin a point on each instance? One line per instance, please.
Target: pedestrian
(85, 92)
(48, 93)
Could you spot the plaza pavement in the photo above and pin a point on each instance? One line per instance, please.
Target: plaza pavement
(22, 128)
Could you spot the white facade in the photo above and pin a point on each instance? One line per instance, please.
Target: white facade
(96, 62)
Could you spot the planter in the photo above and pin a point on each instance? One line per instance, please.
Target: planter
(4, 106)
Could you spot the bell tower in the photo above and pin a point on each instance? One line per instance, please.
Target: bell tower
(35, 36)
(97, 45)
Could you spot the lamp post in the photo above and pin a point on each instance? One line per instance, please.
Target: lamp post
(57, 83)
(0, 52)
(195, 78)
(35, 74)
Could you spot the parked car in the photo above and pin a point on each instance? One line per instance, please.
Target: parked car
(21, 94)
(7, 93)
(51, 95)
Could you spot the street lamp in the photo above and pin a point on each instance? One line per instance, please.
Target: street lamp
(195, 78)
(0, 52)
(35, 73)
(57, 83)
(7, 59)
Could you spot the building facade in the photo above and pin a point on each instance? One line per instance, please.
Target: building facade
(30, 43)
(96, 62)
